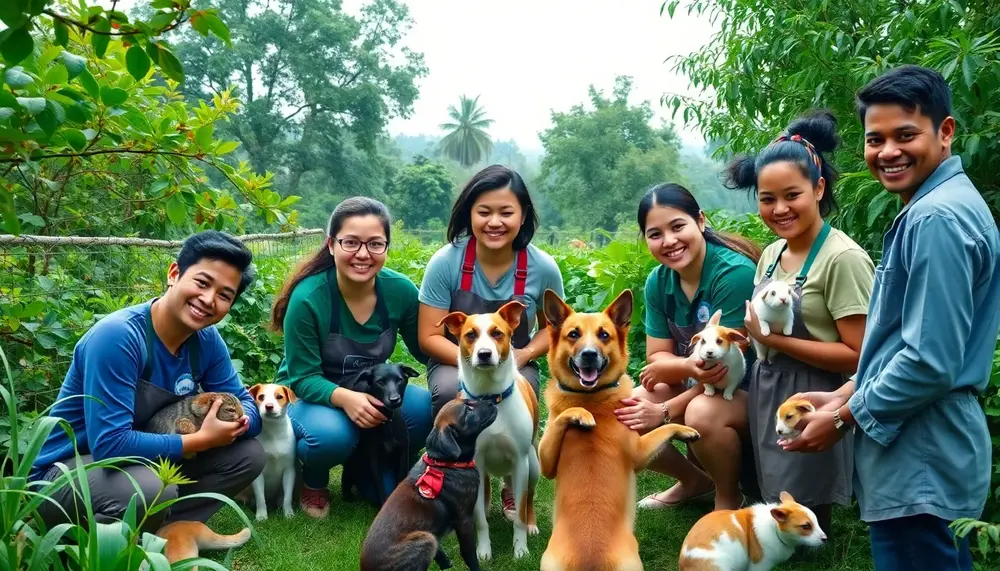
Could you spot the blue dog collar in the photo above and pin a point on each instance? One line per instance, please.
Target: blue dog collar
(495, 398)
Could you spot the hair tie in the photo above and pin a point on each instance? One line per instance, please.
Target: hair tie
(805, 142)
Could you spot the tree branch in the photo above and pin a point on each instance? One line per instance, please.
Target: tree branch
(82, 26)
(19, 160)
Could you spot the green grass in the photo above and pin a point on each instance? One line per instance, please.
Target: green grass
(303, 544)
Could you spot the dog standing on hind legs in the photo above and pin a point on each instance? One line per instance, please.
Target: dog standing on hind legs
(487, 371)
(592, 456)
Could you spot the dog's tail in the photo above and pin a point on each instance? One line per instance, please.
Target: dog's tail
(186, 538)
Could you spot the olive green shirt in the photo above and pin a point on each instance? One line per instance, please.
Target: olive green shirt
(307, 324)
(839, 283)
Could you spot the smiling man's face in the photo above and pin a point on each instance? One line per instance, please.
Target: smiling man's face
(902, 148)
(204, 294)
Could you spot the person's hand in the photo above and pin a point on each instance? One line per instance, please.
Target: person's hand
(752, 324)
(656, 373)
(360, 408)
(828, 401)
(709, 376)
(640, 414)
(521, 357)
(818, 433)
(216, 433)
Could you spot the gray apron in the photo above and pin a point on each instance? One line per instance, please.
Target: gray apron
(812, 479)
(682, 335)
(150, 398)
(469, 303)
(342, 357)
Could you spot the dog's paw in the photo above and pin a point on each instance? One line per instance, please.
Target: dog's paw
(727, 396)
(709, 390)
(686, 434)
(484, 551)
(289, 512)
(532, 529)
(520, 549)
(261, 515)
(580, 417)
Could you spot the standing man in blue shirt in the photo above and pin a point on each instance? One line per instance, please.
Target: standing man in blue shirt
(922, 449)
(142, 358)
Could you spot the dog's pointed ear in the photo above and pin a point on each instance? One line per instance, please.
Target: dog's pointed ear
(409, 372)
(555, 309)
(805, 407)
(441, 442)
(786, 497)
(289, 394)
(254, 390)
(620, 310)
(511, 312)
(716, 317)
(694, 342)
(779, 514)
(453, 322)
(737, 337)
(363, 380)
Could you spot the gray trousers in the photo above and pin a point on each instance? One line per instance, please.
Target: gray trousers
(442, 380)
(227, 471)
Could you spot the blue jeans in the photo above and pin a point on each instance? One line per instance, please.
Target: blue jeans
(918, 543)
(326, 437)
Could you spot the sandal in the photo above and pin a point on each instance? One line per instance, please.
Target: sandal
(651, 502)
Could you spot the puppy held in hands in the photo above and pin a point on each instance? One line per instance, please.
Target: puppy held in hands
(789, 415)
(773, 305)
(717, 344)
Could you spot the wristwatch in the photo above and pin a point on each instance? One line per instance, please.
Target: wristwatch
(838, 423)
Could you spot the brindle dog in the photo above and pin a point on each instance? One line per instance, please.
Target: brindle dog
(437, 496)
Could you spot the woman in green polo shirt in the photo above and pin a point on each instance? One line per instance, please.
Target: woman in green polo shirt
(701, 271)
(833, 276)
(340, 313)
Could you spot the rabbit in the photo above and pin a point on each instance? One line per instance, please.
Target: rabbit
(773, 305)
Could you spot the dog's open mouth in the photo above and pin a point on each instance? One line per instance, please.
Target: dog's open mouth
(588, 374)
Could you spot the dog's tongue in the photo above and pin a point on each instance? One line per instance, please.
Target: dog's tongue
(588, 375)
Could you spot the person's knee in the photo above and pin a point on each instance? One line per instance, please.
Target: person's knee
(252, 457)
(705, 414)
(328, 438)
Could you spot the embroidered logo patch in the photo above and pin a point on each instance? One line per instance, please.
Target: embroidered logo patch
(704, 312)
(184, 385)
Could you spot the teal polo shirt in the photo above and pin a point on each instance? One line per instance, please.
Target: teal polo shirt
(726, 283)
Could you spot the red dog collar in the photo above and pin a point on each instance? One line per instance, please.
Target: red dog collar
(431, 481)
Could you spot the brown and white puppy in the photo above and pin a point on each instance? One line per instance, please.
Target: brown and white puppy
(435, 498)
(590, 454)
(487, 371)
(754, 538)
(278, 439)
(185, 540)
(719, 344)
(788, 416)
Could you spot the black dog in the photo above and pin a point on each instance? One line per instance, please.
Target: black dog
(385, 447)
(437, 496)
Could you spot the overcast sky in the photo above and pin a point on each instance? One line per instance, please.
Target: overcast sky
(525, 58)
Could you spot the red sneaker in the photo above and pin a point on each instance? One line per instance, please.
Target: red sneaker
(315, 503)
(507, 499)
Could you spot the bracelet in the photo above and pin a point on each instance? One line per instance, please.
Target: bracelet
(666, 415)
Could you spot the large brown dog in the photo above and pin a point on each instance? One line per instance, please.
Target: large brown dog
(591, 455)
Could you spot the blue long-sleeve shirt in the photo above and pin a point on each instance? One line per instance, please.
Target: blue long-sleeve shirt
(922, 446)
(107, 363)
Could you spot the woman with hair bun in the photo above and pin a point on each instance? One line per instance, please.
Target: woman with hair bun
(832, 275)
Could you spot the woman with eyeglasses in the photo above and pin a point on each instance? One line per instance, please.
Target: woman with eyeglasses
(340, 312)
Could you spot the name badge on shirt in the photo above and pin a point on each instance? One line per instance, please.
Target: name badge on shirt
(704, 312)
(184, 385)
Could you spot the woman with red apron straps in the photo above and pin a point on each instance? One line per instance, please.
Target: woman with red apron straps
(495, 218)
(832, 276)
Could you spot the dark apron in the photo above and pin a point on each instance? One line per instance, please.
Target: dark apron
(150, 398)
(812, 479)
(343, 358)
(469, 303)
(682, 336)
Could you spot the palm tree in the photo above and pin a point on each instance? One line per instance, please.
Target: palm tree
(467, 140)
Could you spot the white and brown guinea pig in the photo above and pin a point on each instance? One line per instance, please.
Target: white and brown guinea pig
(788, 416)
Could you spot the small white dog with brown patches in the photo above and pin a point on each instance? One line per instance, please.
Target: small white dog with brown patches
(278, 439)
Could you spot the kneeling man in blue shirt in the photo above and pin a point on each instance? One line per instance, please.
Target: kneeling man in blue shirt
(141, 358)
(921, 447)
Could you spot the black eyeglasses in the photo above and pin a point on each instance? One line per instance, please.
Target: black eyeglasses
(375, 245)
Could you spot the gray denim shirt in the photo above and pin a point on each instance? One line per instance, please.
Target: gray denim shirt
(921, 445)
